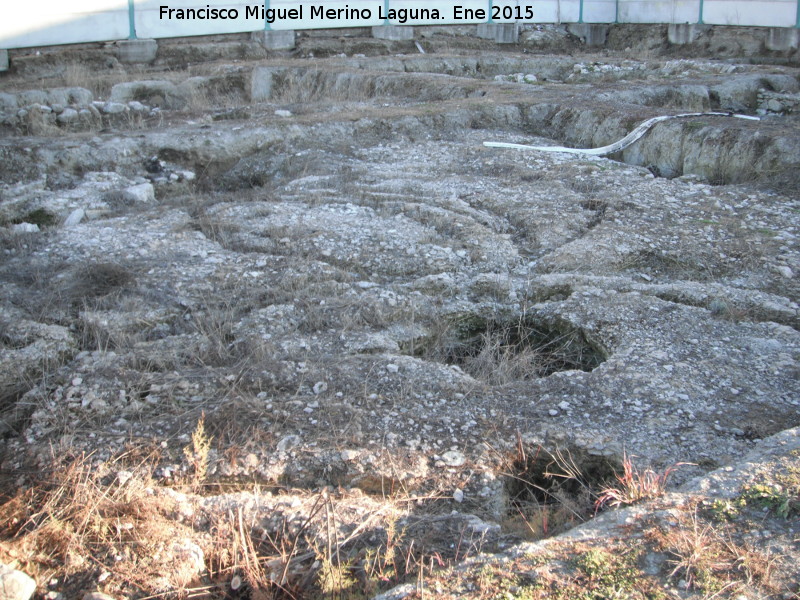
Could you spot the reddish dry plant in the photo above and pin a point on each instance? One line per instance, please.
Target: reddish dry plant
(635, 485)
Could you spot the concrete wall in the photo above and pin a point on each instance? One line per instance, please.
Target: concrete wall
(51, 22)
(45, 22)
(767, 13)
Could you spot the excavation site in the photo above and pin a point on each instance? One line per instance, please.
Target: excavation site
(337, 321)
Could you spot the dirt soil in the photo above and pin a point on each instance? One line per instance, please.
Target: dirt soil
(280, 325)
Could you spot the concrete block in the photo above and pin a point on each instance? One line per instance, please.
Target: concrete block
(592, 34)
(338, 32)
(506, 33)
(161, 93)
(3, 60)
(783, 38)
(281, 39)
(685, 33)
(486, 31)
(395, 33)
(502, 33)
(136, 51)
(261, 82)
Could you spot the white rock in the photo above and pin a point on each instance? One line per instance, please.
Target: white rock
(320, 387)
(143, 192)
(392, 368)
(191, 554)
(283, 113)
(774, 105)
(114, 108)
(25, 228)
(124, 477)
(288, 442)
(67, 115)
(458, 496)
(349, 455)
(15, 585)
(784, 271)
(453, 458)
(75, 217)
(552, 412)
(480, 526)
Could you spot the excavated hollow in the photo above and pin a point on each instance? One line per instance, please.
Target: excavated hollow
(281, 246)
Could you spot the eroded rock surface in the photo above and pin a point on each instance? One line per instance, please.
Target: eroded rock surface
(358, 294)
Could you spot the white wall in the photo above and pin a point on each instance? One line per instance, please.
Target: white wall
(51, 22)
(150, 25)
(659, 11)
(45, 22)
(767, 13)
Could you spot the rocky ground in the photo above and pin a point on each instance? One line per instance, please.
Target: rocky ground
(286, 326)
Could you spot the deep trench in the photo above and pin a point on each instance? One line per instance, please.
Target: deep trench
(420, 96)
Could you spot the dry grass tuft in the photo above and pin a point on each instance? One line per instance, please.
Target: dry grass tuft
(711, 560)
(197, 452)
(96, 526)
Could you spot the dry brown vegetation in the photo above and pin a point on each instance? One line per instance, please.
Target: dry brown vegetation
(110, 527)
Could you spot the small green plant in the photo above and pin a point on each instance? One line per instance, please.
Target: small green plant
(725, 510)
(336, 581)
(608, 575)
(384, 564)
(773, 497)
(497, 581)
(635, 485)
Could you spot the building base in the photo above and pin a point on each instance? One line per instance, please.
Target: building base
(681, 34)
(283, 39)
(783, 38)
(395, 33)
(136, 51)
(501, 33)
(591, 34)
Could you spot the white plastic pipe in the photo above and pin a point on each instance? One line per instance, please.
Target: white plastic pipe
(629, 139)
